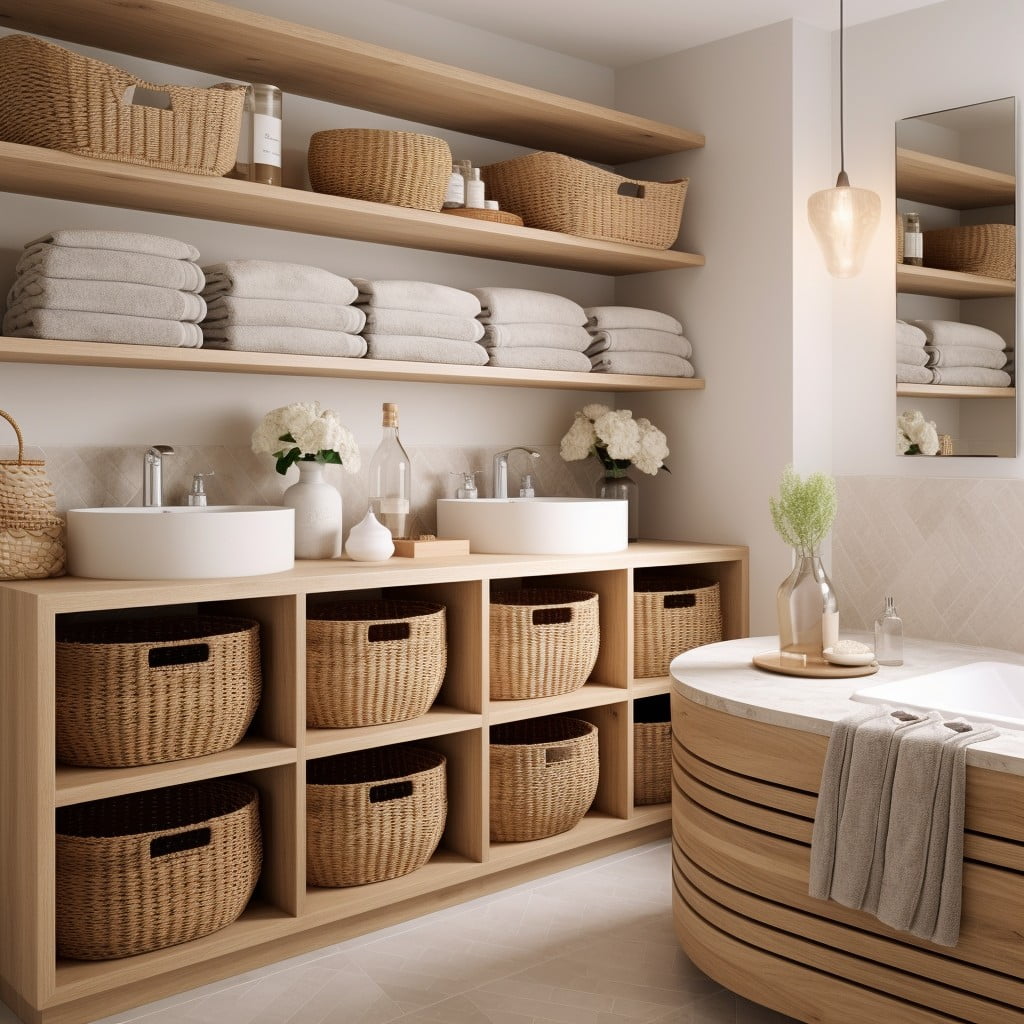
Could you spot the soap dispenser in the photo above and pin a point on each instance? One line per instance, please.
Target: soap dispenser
(889, 636)
(467, 489)
(197, 494)
(526, 486)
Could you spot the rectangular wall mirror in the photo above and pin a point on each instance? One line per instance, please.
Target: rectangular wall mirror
(956, 280)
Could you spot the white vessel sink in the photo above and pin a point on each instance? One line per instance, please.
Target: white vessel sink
(983, 691)
(174, 543)
(535, 526)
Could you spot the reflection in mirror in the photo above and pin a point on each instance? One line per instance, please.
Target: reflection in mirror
(956, 276)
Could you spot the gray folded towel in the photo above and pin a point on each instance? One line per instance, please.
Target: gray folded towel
(908, 334)
(414, 323)
(410, 348)
(600, 318)
(523, 306)
(561, 336)
(909, 374)
(965, 355)
(421, 296)
(639, 339)
(110, 265)
(539, 359)
(229, 311)
(123, 241)
(971, 376)
(74, 325)
(270, 279)
(648, 364)
(301, 341)
(914, 355)
(104, 297)
(952, 332)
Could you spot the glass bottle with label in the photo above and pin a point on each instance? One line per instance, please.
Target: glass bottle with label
(391, 478)
(259, 139)
(913, 240)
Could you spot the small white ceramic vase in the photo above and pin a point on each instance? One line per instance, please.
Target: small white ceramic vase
(317, 513)
(369, 541)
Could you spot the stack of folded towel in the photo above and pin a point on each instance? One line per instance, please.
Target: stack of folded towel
(117, 286)
(266, 306)
(532, 330)
(628, 339)
(911, 357)
(964, 354)
(420, 322)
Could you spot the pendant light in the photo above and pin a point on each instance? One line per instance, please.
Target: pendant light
(843, 218)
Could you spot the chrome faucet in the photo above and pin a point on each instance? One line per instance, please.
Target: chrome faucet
(152, 477)
(500, 467)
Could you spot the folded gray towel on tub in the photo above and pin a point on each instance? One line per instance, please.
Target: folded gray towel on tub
(74, 325)
(600, 318)
(229, 311)
(650, 364)
(417, 324)
(539, 359)
(523, 306)
(561, 336)
(271, 279)
(970, 376)
(424, 350)
(639, 339)
(302, 341)
(422, 296)
(105, 297)
(123, 241)
(110, 265)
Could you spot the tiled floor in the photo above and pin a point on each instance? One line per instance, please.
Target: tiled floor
(592, 945)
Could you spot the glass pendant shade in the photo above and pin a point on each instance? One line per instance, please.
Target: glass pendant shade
(844, 219)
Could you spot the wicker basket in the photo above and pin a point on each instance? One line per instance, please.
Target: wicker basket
(671, 616)
(373, 814)
(559, 193)
(544, 774)
(380, 166)
(986, 249)
(58, 99)
(373, 662)
(900, 227)
(652, 750)
(143, 691)
(140, 872)
(543, 642)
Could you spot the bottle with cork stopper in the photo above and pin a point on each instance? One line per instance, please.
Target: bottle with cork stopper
(391, 478)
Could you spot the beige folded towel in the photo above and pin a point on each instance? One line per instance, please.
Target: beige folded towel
(74, 325)
(523, 306)
(270, 279)
(422, 296)
(417, 324)
(650, 364)
(913, 355)
(124, 241)
(301, 341)
(539, 359)
(965, 355)
(229, 311)
(908, 334)
(639, 339)
(562, 336)
(424, 350)
(971, 376)
(952, 332)
(908, 374)
(104, 297)
(600, 318)
(110, 265)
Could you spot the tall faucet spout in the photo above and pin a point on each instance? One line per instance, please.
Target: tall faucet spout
(152, 475)
(500, 474)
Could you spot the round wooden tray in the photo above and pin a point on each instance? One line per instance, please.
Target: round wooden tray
(495, 216)
(816, 668)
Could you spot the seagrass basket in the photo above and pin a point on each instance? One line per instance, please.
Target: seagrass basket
(373, 814)
(144, 691)
(59, 99)
(560, 193)
(652, 750)
(140, 872)
(671, 616)
(542, 642)
(373, 662)
(544, 774)
(986, 249)
(380, 166)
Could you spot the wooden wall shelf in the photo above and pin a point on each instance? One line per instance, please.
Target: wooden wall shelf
(949, 284)
(951, 391)
(923, 178)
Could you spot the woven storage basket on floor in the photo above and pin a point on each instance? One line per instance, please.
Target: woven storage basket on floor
(544, 774)
(143, 691)
(986, 249)
(543, 642)
(559, 193)
(373, 662)
(669, 617)
(373, 814)
(59, 99)
(652, 750)
(379, 166)
(140, 872)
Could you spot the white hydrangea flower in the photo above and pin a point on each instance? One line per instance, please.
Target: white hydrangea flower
(594, 411)
(916, 430)
(348, 450)
(579, 441)
(314, 432)
(653, 448)
(902, 441)
(266, 438)
(617, 431)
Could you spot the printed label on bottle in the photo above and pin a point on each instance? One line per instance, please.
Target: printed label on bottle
(266, 140)
(913, 245)
(394, 506)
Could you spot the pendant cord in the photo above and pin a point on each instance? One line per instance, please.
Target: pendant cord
(842, 116)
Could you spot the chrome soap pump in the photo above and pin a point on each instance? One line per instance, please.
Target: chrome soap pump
(467, 489)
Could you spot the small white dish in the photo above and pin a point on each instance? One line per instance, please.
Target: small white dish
(850, 660)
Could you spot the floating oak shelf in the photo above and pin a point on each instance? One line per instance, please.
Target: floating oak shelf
(923, 178)
(949, 284)
(951, 391)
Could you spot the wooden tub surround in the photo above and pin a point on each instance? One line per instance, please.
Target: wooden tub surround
(748, 750)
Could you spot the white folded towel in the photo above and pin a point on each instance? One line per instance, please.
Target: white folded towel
(523, 306)
(414, 323)
(600, 318)
(229, 311)
(561, 336)
(913, 355)
(907, 373)
(104, 297)
(74, 325)
(110, 265)
(270, 279)
(970, 376)
(424, 350)
(422, 296)
(639, 339)
(648, 364)
(124, 241)
(965, 355)
(952, 332)
(539, 359)
(909, 334)
(302, 341)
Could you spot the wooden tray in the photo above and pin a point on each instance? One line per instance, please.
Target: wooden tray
(436, 548)
(816, 668)
(495, 216)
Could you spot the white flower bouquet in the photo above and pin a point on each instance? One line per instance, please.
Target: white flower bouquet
(616, 439)
(915, 435)
(304, 432)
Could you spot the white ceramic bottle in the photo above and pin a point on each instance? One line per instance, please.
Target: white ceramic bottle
(475, 191)
(368, 541)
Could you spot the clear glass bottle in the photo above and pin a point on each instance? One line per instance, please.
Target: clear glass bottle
(391, 478)
(259, 140)
(913, 240)
(455, 193)
(889, 636)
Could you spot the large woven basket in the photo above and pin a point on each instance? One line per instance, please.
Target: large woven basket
(58, 99)
(139, 872)
(669, 617)
(373, 662)
(986, 249)
(373, 814)
(379, 166)
(559, 193)
(143, 691)
(543, 642)
(652, 750)
(544, 774)
(31, 532)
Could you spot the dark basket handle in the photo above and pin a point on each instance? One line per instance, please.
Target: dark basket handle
(380, 632)
(180, 842)
(631, 190)
(180, 654)
(552, 616)
(388, 791)
(555, 754)
(680, 601)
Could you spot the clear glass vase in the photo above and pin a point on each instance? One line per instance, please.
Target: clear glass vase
(617, 483)
(807, 607)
